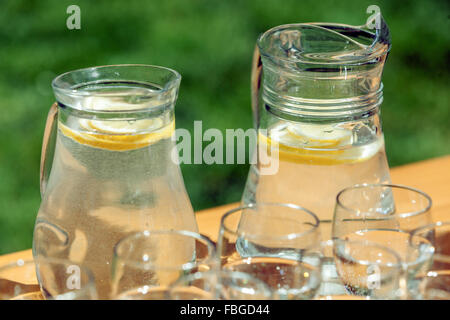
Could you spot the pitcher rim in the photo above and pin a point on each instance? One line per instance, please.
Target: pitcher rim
(370, 56)
(59, 86)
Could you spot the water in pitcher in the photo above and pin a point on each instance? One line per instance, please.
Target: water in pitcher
(315, 162)
(111, 177)
(316, 95)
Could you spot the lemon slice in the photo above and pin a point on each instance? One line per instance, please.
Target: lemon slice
(108, 102)
(314, 145)
(319, 136)
(119, 135)
(119, 127)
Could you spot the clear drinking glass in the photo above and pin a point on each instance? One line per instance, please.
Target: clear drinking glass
(358, 270)
(368, 269)
(316, 98)
(433, 284)
(146, 263)
(58, 280)
(386, 214)
(267, 241)
(219, 285)
(107, 166)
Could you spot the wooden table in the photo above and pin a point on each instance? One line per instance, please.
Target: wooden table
(431, 176)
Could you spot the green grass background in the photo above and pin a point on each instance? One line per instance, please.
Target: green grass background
(210, 42)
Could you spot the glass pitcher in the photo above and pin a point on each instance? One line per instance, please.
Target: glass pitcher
(107, 167)
(316, 96)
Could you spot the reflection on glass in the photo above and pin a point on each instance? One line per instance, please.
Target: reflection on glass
(221, 285)
(386, 214)
(58, 280)
(434, 284)
(145, 263)
(267, 241)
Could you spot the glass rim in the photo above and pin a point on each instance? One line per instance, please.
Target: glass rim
(59, 86)
(148, 233)
(289, 236)
(386, 185)
(372, 55)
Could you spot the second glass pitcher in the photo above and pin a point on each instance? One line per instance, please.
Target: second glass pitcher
(316, 95)
(111, 171)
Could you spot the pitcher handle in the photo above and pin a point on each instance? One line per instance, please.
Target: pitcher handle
(256, 85)
(48, 146)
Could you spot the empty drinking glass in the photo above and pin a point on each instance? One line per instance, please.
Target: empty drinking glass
(347, 283)
(267, 240)
(356, 270)
(146, 263)
(385, 214)
(368, 269)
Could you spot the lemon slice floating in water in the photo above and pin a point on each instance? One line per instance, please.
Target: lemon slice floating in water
(119, 135)
(318, 136)
(316, 144)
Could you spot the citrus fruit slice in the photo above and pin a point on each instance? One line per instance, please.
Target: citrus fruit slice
(119, 135)
(319, 136)
(315, 145)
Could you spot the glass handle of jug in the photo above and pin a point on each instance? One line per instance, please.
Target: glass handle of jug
(256, 85)
(48, 146)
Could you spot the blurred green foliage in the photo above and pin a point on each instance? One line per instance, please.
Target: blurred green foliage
(210, 42)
